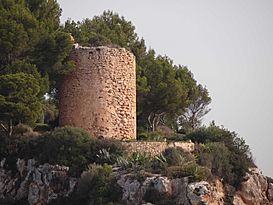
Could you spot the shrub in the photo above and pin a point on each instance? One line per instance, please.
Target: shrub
(225, 154)
(177, 156)
(11, 147)
(216, 157)
(97, 186)
(159, 163)
(176, 137)
(192, 170)
(136, 160)
(211, 134)
(224, 162)
(105, 151)
(66, 146)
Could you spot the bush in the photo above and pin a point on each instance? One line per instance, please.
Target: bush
(177, 156)
(97, 186)
(136, 161)
(11, 147)
(106, 151)
(151, 136)
(211, 134)
(192, 170)
(176, 137)
(225, 163)
(65, 146)
(225, 154)
(216, 157)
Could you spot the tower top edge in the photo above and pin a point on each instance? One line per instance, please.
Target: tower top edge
(77, 47)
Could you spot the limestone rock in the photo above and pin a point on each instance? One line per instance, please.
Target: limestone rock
(254, 190)
(182, 192)
(39, 184)
(270, 192)
(199, 192)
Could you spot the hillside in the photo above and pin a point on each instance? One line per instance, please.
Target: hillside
(144, 144)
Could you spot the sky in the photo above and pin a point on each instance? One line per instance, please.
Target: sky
(227, 44)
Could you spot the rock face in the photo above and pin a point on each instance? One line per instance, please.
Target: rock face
(254, 191)
(35, 184)
(179, 190)
(100, 94)
(38, 185)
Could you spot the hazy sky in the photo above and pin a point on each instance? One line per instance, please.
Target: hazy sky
(227, 44)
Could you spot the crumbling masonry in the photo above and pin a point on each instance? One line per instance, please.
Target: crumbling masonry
(99, 95)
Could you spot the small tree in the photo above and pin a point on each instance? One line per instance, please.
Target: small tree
(97, 186)
(198, 107)
(19, 100)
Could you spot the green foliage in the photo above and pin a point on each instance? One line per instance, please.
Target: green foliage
(99, 40)
(19, 98)
(32, 43)
(176, 163)
(198, 101)
(66, 146)
(192, 170)
(11, 147)
(97, 186)
(177, 156)
(50, 111)
(109, 26)
(136, 160)
(150, 136)
(19, 66)
(224, 153)
(105, 151)
(17, 33)
(215, 156)
(72, 147)
(176, 137)
(51, 55)
(211, 134)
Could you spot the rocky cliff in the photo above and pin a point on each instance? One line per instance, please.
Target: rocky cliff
(40, 184)
(34, 184)
(255, 190)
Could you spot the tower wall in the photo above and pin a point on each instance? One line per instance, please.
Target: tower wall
(99, 95)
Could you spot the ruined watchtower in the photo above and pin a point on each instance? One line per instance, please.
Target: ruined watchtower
(100, 94)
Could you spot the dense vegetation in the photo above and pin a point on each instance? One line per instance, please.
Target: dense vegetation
(221, 155)
(34, 51)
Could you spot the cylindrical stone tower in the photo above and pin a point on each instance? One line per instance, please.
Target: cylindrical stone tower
(100, 94)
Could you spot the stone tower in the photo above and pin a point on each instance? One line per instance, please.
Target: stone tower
(100, 94)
